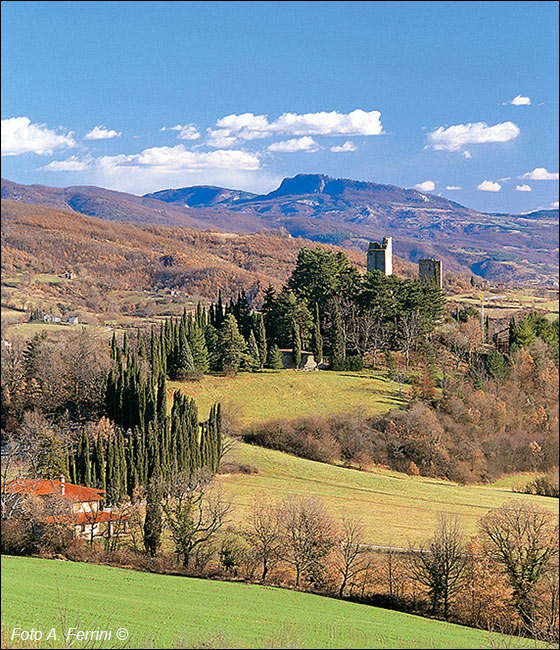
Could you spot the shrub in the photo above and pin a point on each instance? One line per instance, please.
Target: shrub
(354, 362)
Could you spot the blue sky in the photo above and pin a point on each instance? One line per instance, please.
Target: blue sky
(455, 98)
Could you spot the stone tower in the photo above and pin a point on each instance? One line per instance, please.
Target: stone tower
(430, 270)
(380, 256)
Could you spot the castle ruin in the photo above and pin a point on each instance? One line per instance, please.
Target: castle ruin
(430, 270)
(380, 256)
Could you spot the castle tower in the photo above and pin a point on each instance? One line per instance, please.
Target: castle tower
(430, 270)
(380, 256)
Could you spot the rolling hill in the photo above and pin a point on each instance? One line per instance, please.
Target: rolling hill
(500, 247)
(192, 613)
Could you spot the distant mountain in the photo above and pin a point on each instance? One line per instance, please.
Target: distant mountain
(502, 247)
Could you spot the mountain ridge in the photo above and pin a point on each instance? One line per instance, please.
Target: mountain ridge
(504, 247)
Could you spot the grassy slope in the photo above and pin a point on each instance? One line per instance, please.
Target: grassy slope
(256, 397)
(158, 610)
(395, 508)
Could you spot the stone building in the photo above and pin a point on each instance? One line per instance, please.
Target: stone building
(430, 270)
(380, 256)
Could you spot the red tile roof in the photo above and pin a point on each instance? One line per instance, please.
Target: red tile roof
(43, 487)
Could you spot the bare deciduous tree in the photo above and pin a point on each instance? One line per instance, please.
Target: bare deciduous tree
(523, 538)
(308, 535)
(352, 552)
(262, 533)
(441, 564)
(410, 329)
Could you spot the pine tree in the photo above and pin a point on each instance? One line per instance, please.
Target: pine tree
(199, 350)
(316, 337)
(391, 364)
(274, 358)
(231, 345)
(185, 368)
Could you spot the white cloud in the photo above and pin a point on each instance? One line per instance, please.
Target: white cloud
(540, 174)
(247, 126)
(343, 148)
(72, 164)
(519, 100)
(453, 187)
(186, 131)
(102, 133)
(489, 186)
(454, 137)
(176, 158)
(305, 143)
(466, 154)
(425, 186)
(20, 136)
(554, 205)
(523, 188)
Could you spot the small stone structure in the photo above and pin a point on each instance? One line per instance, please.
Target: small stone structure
(307, 361)
(430, 270)
(380, 256)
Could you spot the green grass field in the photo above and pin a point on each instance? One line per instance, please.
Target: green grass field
(158, 611)
(396, 509)
(268, 395)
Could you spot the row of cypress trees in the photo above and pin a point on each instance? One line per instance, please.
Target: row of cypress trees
(147, 441)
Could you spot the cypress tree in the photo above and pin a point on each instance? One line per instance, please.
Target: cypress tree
(261, 340)
(219, 311)
(150, 406)
(153, 522)
(337, 341)
(100, 463)
(296, 343)
(253, 352)
(111, 397)
(316, 337)
(72, 469)
(161, 405)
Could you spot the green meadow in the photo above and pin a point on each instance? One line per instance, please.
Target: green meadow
(268, 395)
(396, 509)
(161, 611)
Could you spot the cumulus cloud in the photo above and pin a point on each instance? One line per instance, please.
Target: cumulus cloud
(489, 186)
(72, 164)
(523, 188)
(467, 154)
(453, 187)
(19, 136)
(176, 158)
(454, 137)
(519, 100)
(186, 131)
(343, 148)
(425, 186)
(554, 205)
(233, 128)
(305, 143)
(102, 133)
(540, 174)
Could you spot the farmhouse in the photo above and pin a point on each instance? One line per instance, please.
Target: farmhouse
(87, 517)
